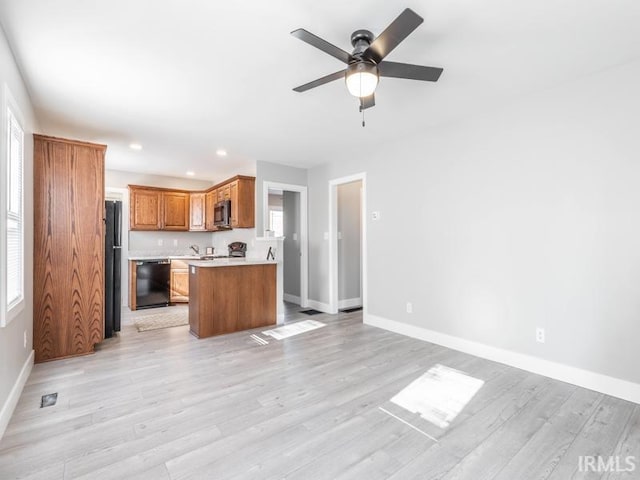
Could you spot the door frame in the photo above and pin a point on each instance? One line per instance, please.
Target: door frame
(333, 239)
(304, 228)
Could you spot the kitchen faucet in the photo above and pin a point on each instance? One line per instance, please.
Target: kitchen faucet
(195, 248)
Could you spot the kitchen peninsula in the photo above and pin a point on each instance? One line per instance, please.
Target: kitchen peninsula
(232, 294)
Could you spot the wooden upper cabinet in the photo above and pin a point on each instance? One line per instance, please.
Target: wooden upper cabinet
(175, 209)
(211, 198)
(198, 208)
(144, 209)
(153, 208)
(224, 193)
(233, 193)
(242, 194)
(68, 270)
(158, 209)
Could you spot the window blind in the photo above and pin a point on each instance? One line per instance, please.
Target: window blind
(15, 212)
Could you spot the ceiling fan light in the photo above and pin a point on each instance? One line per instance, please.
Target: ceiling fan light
(361, 79)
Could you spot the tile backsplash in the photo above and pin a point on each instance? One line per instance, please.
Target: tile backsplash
(178, 243)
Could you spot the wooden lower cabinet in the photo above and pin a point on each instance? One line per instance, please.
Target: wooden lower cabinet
(68, 271)
(227, 299)
(179, 282)
(133, 280)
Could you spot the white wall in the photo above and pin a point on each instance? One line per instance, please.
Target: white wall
(13, 355)
(526, 216)
(272, 172)
(146, 243)
(119, 179)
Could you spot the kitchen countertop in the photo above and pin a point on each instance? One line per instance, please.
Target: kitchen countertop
(199, 262)
(231, 262)
(164, 257)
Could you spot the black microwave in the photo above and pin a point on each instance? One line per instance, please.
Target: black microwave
(222, 214)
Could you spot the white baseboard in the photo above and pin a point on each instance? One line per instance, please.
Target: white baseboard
(576, 376)
(280, 318)
(321, 307)
(291, 298)
(11, 402)
(350, 303)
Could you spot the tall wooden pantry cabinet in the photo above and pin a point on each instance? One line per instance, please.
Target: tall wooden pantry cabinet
(68, 292)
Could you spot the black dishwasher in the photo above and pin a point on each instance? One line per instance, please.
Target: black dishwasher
(152, 283)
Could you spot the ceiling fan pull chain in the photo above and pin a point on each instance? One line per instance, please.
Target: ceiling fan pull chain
(362, 109)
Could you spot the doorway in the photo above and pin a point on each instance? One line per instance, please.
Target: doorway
(349, 201)
(347, 243)
(285, 215)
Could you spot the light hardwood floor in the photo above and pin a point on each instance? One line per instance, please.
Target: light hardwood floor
(165, 405)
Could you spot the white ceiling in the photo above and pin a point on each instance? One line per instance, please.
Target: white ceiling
(184, 78)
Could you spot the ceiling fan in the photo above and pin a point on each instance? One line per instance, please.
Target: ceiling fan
(366, 64)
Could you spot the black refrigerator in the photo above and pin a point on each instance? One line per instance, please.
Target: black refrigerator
(112, 267)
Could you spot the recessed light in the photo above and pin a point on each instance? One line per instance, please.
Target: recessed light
(221, 153)
(135, 146)
(191, 173)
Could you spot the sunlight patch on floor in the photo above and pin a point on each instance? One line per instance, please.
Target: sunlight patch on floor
(294, 329)
(439, 395)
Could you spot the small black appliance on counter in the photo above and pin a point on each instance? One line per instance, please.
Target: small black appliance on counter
(237, 249)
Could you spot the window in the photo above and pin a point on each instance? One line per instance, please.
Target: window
(276, 221)
(13, 213)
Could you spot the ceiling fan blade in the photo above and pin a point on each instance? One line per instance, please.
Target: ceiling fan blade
(320, 81)
(367, 102)
(323, 45)
(395, 33)
(412, 72)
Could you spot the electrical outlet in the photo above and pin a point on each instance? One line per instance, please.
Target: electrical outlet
(175, 242)
(540, 335)
(159, 242)
(375, 215)
(326, 235)
(295, 237)
(25, 339)
(339, 235)
(409, 307)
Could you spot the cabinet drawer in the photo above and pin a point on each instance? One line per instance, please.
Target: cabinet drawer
(179, 264)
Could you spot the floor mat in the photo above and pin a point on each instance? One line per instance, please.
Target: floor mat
(311, 311)
(163, 320)
(350, 310)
